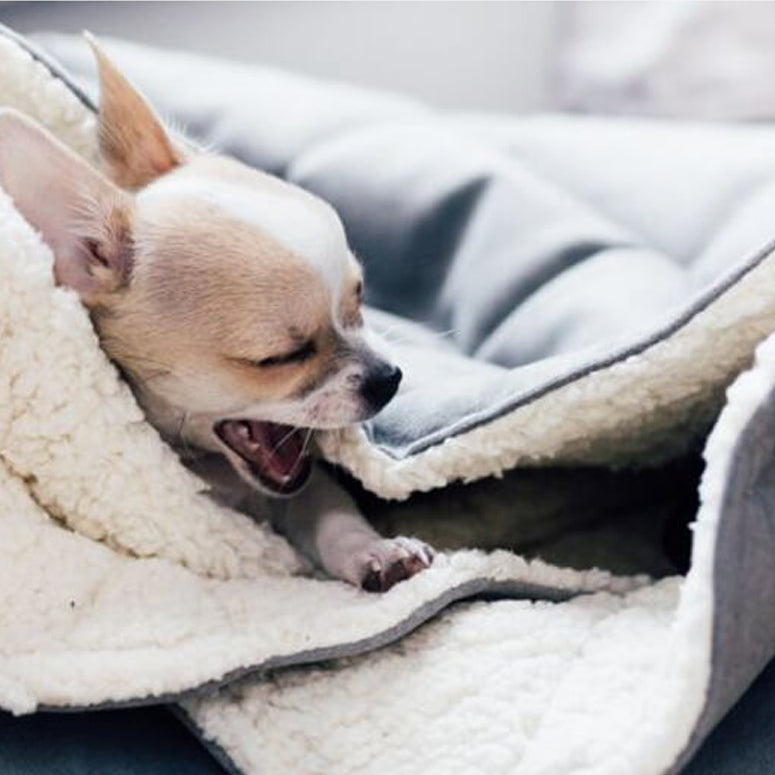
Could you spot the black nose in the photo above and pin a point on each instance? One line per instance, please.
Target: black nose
(380, 385)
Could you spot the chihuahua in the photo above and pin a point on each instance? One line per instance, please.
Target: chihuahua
(231, 302)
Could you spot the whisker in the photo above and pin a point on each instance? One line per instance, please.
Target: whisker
(307, 439)
(283, 440)
(303, 450)
(442, 334)
(400, 338)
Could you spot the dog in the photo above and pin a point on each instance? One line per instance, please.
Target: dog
(230, 301)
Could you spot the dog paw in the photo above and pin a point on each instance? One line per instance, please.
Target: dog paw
(387, 561)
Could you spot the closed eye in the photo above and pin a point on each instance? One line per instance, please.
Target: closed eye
(299, 355)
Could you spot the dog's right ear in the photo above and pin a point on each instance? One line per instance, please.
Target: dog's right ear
(134, 144)
(80, 214)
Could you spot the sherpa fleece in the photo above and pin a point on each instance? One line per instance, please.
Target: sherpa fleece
(121, 582)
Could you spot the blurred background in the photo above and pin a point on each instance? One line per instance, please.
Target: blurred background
(709, 60)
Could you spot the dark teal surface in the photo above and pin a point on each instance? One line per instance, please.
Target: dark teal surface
(140, 741)
(744, 742)
(151, 741)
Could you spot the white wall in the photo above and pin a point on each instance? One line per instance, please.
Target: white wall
(478, 55)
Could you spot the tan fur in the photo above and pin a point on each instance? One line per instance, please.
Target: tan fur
(210, 295)
(218, 299)
(134, 147)
(189, 296)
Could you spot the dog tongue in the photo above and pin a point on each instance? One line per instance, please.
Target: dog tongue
(275, 450)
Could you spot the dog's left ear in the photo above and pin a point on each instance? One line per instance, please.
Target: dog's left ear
(134, 145)
(81, 215)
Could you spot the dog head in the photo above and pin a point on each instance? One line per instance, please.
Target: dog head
(229, 298)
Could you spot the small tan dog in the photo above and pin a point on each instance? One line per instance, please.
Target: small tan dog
(231, 302)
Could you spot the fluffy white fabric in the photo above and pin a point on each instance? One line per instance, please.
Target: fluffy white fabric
(638, 410)
(120, 581)
(601, 685)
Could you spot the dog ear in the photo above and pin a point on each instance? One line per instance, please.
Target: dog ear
(80, 214)
(134, 145)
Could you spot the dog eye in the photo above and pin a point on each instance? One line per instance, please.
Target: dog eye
(303, 353)
(359, 291)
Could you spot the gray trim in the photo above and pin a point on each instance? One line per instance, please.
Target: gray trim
(53, 67)
(216, 751)
(701, 302)
(729, 680)
(474, 588)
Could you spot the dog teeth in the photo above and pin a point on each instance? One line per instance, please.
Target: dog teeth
(243, 430)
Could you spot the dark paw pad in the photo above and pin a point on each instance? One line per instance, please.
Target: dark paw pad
(391, 560)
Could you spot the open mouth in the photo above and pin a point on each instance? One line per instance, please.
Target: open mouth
(277, 455)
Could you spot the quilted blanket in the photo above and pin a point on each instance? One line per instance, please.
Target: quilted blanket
(581, 308)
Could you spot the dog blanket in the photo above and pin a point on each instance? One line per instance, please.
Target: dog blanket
(594, 327)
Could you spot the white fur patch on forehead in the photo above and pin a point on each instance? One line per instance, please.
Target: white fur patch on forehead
(306, 227)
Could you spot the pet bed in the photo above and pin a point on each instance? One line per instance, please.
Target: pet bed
(588, 291)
